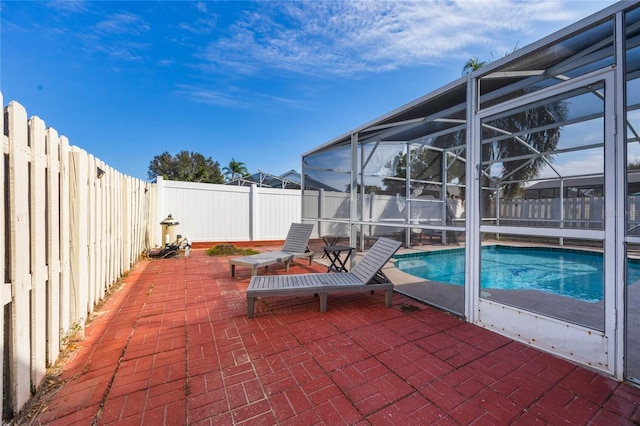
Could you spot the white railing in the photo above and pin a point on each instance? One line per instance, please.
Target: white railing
(573, 213)
(71, 226)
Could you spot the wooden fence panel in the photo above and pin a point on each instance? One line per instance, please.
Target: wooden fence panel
(53, 245)
(73, 226)
(65, 238)
(19, 348)
(126, 223)
(119, 232)
(92, 290)
(38, 249)
(5, 290)
(99, 276)
(108, 218)
(78, 235)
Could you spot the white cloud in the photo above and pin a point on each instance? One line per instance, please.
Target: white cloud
(346, 38)
(120, 35)
(68, 6)
(200, 25)
(201, 6)
(588, 162)
(211, 97)
(122, 23)
(233, 97)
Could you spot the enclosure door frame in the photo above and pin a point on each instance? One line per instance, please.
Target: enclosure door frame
(578, 343)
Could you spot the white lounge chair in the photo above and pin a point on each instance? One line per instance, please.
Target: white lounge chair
(295, 246)
(366, 276)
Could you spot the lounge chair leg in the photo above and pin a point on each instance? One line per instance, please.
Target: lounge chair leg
(251, 301)
(323, 302)
(389, 298)
(233, 270)
(254, 271)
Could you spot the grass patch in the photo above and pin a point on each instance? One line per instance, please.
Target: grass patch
(229, 249)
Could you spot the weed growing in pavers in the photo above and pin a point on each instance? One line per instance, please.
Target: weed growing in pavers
(228, 250)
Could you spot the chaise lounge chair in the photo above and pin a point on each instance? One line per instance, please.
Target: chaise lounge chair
(366, 276)
(295, 246)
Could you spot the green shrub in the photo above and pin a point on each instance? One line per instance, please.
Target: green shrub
(228, 250)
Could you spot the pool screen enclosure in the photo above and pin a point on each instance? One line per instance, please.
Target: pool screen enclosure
(540, 148)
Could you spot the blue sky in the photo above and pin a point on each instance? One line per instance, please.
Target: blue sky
(261, 82)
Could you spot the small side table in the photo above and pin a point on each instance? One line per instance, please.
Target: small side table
(331, 241)
(333, 254)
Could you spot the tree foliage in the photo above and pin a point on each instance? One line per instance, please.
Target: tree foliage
(544, 116)
(426, 166)
(517, 150)
(534, 131)
(235, 170)
(473, 64)
(185, 166)
(633, 164)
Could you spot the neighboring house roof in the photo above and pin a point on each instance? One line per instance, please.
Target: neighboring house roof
(287, 180)
(632, 177)
(586, 182)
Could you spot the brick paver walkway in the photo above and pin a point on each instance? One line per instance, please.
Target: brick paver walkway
(174, 347)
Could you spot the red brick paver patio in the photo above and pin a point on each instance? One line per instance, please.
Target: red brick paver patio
(173, 346)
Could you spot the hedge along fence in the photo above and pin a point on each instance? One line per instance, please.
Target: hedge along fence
(71, 227)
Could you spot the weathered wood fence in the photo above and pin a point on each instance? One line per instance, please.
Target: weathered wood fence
(70, 226)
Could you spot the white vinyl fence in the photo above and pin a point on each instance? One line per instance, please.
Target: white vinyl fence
(70, 226)
(226, 213)
(383, 209)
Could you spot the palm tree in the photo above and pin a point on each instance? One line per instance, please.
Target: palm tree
(472, 65)
(235, 169)
(519, 149)
(426, 163)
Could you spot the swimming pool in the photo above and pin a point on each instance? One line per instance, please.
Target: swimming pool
(574, 273)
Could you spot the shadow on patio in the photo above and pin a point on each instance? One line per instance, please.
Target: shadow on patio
(174, 346)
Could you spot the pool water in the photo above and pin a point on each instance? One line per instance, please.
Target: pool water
(574, 273)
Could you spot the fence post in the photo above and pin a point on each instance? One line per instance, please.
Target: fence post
(157, 217)
(78, 236)
(118, 188)
(101, 257)
(126, 223)
(20, 347)
(92, 296)
(110, 225)
(254, 207)
(53, 245)
(5, 290)
(321, 224)
(65, 258)
(38, 251)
